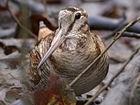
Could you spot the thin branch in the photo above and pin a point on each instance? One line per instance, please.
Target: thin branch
(112, 79)
(18, 22)
(117, 36)
(131, 34)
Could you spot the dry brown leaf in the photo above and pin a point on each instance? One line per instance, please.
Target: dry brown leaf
(11, 95)
(56, 93)
(35, 19)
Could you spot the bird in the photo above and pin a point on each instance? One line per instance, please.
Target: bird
(68, 51)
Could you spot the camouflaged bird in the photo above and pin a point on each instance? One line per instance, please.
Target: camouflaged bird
(68, 51)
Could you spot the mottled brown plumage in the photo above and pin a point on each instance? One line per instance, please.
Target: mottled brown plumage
(68, 51)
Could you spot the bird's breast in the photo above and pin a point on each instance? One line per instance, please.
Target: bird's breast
(73, 45)
(72, 57)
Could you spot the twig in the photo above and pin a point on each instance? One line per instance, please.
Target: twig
(18, 22)
(112, 79)
(117, 36)
(131, 34)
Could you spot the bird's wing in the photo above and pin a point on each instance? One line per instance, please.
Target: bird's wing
(98, 44)
(99, 49)
(39, 76)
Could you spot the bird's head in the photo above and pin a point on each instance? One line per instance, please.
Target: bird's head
(70, 20)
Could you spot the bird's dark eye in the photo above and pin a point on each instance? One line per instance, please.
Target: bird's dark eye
(77, 16)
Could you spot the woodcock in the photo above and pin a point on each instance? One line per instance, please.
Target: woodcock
(68, 51)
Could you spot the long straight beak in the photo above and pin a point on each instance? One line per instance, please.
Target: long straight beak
(57, 41)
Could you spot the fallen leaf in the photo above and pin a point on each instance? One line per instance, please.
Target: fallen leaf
(11, 95)
(56, 93)
(9, 49)
(36, 18)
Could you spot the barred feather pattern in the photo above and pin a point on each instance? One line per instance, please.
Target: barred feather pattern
(88, 81)
(39, 76)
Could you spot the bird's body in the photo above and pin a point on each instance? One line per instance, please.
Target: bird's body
(77, 48)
